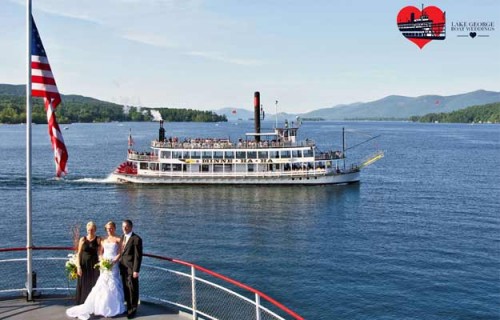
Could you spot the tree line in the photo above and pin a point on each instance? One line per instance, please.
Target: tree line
(82, 109)
(488, 113)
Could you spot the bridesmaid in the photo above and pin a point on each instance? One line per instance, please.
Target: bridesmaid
(88, 250)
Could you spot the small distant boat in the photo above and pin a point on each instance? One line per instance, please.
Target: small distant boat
(261, 158)
(66, 128)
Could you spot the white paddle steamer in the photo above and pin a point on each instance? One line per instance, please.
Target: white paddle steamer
(268, 158)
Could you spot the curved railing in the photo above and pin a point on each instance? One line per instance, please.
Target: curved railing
(182, 285)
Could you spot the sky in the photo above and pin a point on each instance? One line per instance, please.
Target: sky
(212, 54)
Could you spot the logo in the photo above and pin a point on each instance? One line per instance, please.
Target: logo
(422, 26)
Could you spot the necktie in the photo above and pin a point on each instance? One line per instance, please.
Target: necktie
(125, 239)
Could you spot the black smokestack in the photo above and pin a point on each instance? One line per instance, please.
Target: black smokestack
(161, 135)
(256, 114)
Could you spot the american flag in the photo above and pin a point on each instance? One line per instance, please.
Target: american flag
(44, 85)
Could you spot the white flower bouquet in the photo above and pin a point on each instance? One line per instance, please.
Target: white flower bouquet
(104, 264)
(71, 269)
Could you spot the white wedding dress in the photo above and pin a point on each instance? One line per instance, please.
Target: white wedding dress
(106, 298)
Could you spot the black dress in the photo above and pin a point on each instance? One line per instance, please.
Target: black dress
(88, 260)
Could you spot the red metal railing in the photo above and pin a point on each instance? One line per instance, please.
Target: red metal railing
(199, 295)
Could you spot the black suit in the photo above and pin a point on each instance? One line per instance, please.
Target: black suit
(130, 262)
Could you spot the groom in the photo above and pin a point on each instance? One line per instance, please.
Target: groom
(130, 265)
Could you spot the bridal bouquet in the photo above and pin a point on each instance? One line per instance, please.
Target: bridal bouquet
(104, 264)
(71, 266)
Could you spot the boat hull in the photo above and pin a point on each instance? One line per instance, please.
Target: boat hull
(305, 179)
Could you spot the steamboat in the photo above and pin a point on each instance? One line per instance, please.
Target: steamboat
(423, 27)
(261, 158)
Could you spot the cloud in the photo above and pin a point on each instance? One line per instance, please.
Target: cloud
(217, 56)
(151, 39)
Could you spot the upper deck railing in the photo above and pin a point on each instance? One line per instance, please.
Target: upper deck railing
(182, 285)
(227, 144)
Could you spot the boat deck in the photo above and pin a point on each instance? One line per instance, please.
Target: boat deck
(53, 307)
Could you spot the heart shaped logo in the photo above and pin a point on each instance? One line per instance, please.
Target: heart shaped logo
(422, 26)
(472, 35)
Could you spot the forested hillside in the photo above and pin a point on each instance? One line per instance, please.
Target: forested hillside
(77, 108)
(489, 113)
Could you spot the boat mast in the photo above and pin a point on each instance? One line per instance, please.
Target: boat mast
(343, 145)
(29, 267)
(276, 113)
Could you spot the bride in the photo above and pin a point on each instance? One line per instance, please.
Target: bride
(106, 298)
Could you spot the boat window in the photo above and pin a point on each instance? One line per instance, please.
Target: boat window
(205, 168)
(177, 167)
(143, 165)
(263, 155)
(285, 154)
(275, 154)
(195, 154)
(240, 154)
(297, 154)
(166, 154)
(206, 154)
(176, 154)
(229, 155)
(251, 168)
(218, 154)
(185, 155)
(308, 153)
(165, 167)
(228, 167)
(252, 154)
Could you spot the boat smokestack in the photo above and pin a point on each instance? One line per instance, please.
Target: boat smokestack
(161, 134)
(256, 114)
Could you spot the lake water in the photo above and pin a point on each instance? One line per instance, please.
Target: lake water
(418, 238)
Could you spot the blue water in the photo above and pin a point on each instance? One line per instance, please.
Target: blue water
(418, 238)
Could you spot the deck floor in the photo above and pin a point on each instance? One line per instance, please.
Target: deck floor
(54, 307)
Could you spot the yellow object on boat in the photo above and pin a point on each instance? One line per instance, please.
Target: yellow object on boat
(377, 156)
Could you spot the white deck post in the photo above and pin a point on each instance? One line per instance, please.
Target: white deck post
(29, 282)
(257, 307)
(193, 292)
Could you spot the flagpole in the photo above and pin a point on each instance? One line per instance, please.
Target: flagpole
(29, 267)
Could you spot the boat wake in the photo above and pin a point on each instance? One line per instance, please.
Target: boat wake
(109, 179)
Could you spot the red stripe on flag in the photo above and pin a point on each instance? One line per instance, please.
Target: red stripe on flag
(52, 96)
(39, 65)
(56, 138)
(45, 80)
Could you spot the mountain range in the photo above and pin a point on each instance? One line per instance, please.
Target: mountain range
(390, 107)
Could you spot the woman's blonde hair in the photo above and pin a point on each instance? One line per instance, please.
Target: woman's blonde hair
(110, 224)
(92, 225)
